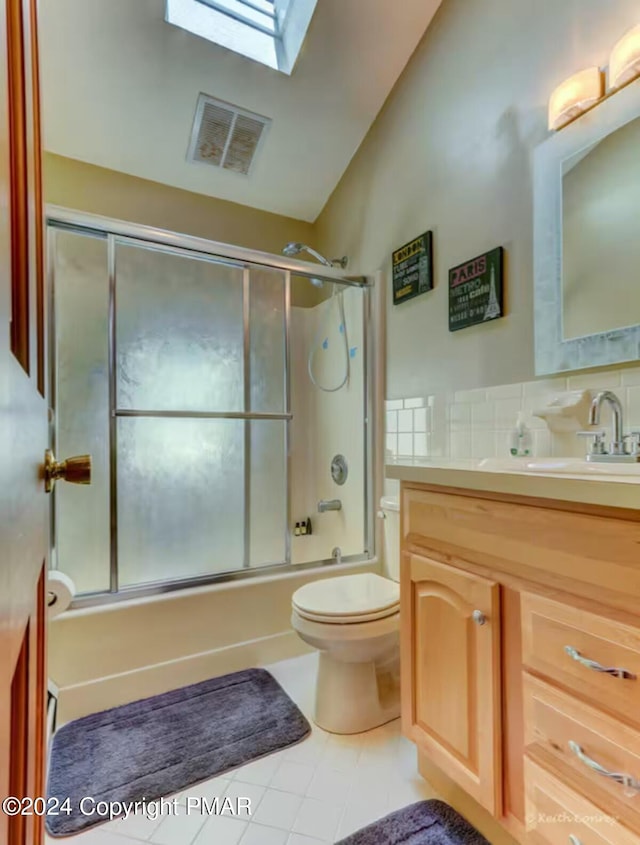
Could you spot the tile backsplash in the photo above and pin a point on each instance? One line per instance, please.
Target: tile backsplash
(477, 423)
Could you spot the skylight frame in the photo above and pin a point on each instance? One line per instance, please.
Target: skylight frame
(229, 8)
(241, 26)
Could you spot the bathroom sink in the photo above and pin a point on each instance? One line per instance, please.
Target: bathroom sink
(559, 466)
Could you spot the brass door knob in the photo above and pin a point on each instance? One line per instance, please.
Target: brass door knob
(76, 470)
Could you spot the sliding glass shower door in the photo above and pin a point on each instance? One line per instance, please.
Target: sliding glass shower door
(171, 366)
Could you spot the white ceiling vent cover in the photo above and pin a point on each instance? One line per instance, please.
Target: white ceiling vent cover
(226, 136)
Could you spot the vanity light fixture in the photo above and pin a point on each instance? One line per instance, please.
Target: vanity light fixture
(624, 63)
(575, 96)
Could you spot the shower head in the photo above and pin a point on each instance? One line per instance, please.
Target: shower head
(292, 249)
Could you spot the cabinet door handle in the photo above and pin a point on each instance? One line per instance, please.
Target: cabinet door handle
(574, 654)
(626, 780)
(478, 617)
(573, 840)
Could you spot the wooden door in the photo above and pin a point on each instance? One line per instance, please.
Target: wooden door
(450, 630)
(23, 426)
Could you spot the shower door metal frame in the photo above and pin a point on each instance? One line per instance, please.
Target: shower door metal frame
(116, 232)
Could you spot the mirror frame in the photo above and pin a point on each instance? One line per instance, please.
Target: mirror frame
(554, 354)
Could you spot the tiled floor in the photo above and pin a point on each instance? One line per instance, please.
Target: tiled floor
(310, 794)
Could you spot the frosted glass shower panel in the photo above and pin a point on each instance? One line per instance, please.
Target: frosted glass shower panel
(81, 390)
(268, 492)
(267, 340)
(180, 498)
(179, 332)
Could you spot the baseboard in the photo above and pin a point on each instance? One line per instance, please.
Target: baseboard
(102, 693)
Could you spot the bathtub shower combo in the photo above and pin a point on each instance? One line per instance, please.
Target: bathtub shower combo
(224, 394)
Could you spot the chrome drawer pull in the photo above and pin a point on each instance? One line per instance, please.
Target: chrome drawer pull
(573, 840)
(625, 780)
(574, 654)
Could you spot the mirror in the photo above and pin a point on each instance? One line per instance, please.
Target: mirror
(587, 239)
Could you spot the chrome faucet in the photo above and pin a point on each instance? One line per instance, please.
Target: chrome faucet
(617, 443)
(329, 505)
(617, 448)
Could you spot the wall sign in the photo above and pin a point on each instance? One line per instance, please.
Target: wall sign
(475, 290)
(413, 268)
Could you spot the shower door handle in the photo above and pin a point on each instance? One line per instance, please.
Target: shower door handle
(76, 470)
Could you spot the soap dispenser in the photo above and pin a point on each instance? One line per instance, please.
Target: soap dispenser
(521, 441)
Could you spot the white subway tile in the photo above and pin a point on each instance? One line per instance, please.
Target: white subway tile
(392, 444)
(542, 443)
(632, 410)
(460, 414)
(392, 420)
(393, 404)
(416, 402)
(405, 445)
(420, 419)
(460, 444)
(483, 444)
(505, 391)
(503, 444)
(507, 412)
(420, 445)
(630, 376)
(544, 385)
(475, 395)
(595, 381)
(483, 415)
(405, 421)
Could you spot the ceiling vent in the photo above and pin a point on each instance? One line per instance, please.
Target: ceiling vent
(226, 136)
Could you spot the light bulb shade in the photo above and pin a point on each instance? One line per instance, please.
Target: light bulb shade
(624, 64)
(574, 96)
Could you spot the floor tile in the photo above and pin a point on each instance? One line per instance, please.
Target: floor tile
(300, 839)
(239, 789)
(259, 772)
(359, 814)
(98, 836)
(317, 818)
(182, 828)
(214, 787)
(257, 834)
(371, 784)
(330, 784)
(310, 750)
(138, 826)
(278, 809)
(292, 776)
(219, 830)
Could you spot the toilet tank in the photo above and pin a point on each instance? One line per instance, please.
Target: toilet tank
(390, 512)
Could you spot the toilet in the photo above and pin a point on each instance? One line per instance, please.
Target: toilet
(354, 622)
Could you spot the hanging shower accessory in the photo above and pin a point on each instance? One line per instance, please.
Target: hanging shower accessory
(292, 249)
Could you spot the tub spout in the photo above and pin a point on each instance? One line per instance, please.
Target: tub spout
(329, 505)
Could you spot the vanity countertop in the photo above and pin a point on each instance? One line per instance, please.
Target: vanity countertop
(618, 491)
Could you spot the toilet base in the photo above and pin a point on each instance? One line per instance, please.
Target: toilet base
(356, 697)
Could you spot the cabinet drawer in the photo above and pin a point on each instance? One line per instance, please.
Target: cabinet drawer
(556, 815)
(573, 647)
(585, 746)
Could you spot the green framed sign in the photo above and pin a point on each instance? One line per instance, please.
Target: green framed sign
(476, 290)
(413, 268)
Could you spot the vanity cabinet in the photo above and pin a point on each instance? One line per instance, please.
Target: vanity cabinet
(451, 695)
(520, 632)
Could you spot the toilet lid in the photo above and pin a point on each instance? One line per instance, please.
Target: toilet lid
(350, 597)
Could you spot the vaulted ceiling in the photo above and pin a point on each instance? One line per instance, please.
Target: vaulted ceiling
(120, 87)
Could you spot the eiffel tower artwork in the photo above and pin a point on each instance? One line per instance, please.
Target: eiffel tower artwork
(493, 306)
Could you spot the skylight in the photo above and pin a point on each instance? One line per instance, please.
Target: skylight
(267, 31)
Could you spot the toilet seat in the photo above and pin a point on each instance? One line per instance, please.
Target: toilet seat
(350, 599)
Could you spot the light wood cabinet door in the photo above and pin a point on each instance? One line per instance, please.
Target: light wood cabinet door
(450, 629)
